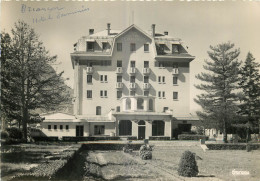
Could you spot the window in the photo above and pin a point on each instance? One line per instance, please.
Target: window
(163, 79)
(119, 47)
(103, 78)
(161, 64)
(128, 104)
(67, 127)
(99, 129)
(132, 63)
(104, 45)
(159, 79)
(163, 94)
(125, 127)
(118, 109)
(165, 109)
(146, 47)
(146, 64)
(103, 93)
(89, 93)
(61, 127)
(132, 93)
(140, 103)
(175, 80)
(175, 95)
(55, 127)
(132, 79)
(146, 93)
(175, 65)
(132, 47)
(119, 78)
(159, 94)
(150, 104)
(158, 128)
(146, 79)
(90, 46)
(119, 63)
(49, 126)
(89, 78)
(161, 48)
(119, 94)
(98, 110)
(175, 49)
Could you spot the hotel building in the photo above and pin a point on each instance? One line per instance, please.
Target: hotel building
(128, 83)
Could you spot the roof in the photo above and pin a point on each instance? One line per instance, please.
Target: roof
(103, 33)
(57, 116)
(131, 27)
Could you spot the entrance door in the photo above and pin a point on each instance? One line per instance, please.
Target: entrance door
(79, 131)
(141, 132)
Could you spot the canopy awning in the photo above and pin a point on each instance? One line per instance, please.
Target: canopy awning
(90, 40)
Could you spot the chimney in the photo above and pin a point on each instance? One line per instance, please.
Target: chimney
(91, 31)
(166, 33)
(108, 29)
(153, 30)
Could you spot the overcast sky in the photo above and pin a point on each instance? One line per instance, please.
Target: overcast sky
(198, 24)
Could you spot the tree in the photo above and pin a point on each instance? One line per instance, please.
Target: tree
(30, 81)
(250, 84)
(219, 97)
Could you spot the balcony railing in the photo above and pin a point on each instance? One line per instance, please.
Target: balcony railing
(119, 85)
(89, 70)
(132, 85)
(146, 86)
(175, 71)
(119, 70)
(132, 70)
(146, 71)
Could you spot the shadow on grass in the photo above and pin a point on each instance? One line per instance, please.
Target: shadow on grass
(5, 171)
(206, 176)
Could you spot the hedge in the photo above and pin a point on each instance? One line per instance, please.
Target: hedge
(232, 146)
(159, 138)
(89, 138)
(192, 137)
(51, 169)
(45, 138)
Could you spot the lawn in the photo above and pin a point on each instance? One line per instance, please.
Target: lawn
(17, 159)
(213, 164)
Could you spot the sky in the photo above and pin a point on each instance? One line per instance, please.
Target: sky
(198, 24)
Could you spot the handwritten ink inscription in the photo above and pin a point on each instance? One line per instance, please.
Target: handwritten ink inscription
(42, 14)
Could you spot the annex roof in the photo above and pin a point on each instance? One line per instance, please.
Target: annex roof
(57, 116)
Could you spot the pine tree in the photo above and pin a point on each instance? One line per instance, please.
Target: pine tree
(250, 84)
(29, 80)
(221, 82)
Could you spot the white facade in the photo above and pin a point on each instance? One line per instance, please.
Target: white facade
(130, 83)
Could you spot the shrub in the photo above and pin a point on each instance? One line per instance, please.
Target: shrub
(232, 146)
(14, 133)
(192, 137)
(4, 134)
(145, 152)
(188, 165)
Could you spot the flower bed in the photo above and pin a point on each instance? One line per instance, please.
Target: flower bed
(232, 146)
(192, 137)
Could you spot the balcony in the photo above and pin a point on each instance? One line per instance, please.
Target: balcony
(132, 70)
(146, 71)
(175, 71)
(146, 86)
(119, 85)
(89, 70)
(119, 70)
(132, 85)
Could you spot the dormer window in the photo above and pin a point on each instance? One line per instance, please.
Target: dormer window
(146, 47)
(104, 46)
(90, 46)
(175, 48)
